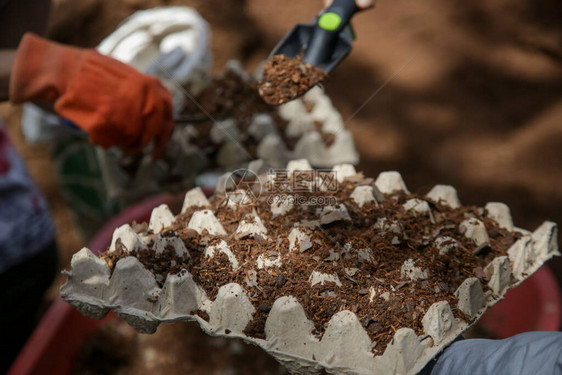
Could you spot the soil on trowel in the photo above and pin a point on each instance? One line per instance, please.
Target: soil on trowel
(285, 79)
(366, 252)
(180, 348)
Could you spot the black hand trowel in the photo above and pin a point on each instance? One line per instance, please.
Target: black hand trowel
(304, 56)
(325, 42)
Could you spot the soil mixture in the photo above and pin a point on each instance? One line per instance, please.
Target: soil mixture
(175, 348)
(285, 79)
(233, 96)
(366, 253)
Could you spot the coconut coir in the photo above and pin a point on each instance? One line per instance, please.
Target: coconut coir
(285, 79)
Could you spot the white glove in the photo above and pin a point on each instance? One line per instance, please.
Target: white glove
(171, 43)
(147, 34)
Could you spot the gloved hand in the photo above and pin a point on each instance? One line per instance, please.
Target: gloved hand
(114, 103)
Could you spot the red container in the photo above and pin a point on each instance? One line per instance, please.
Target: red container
(533, 306)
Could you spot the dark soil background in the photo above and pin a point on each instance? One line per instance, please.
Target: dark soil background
(467, 93)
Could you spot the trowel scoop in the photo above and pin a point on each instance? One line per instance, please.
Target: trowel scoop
(325, 42)
(307, 53)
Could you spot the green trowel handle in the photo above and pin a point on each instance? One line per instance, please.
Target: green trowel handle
(328, 26)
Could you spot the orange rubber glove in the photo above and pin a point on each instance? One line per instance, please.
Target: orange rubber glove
(114, 103)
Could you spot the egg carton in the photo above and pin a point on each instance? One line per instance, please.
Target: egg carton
(133, 293)
(308, 118)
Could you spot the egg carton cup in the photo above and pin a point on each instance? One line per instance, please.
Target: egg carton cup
(133, 293)
(303, 115)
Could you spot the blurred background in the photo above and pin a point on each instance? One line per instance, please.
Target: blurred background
(466, 93)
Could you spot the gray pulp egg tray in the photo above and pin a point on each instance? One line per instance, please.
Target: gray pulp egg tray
(308, 119)
(132, 291)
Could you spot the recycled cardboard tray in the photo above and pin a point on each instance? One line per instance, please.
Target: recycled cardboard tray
(345, 348)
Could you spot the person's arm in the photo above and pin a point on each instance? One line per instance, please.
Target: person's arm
(113, 102)
(365, 4)
(7, 57)
(361, 4)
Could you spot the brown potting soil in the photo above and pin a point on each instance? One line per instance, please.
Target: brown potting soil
(338, 248)
(285, 79)
(180, 348)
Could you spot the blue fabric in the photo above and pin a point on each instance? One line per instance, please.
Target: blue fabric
(25, 224)
(531, 353)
